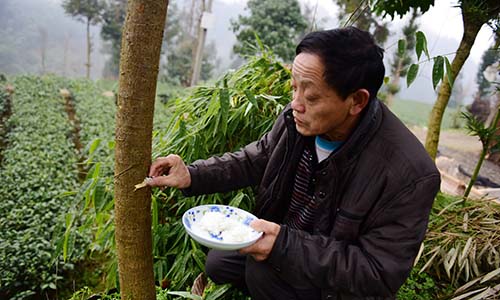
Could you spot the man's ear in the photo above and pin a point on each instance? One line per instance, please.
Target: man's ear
(359, 100)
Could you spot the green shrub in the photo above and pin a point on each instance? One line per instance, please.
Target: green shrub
(419, 286)
(38, 166)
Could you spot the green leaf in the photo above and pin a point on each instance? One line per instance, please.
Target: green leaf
(186, 295)
(412, 74)
(251, 98)
(154, 206)
(421, 44)
(224, 109)
(437, 70)
(449, 74)
(93, 146)
(218, 292)
(387, 79)
(401, 47)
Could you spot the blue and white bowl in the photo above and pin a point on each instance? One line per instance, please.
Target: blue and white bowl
(217, 240)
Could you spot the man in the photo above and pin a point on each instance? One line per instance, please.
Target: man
(344, 189)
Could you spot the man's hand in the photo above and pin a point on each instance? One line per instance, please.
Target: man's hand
(262, 248)
(175, 171)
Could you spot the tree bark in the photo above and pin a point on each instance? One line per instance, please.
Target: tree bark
(471, 28)
(139, 64)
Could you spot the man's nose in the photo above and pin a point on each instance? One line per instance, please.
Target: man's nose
(297, 103)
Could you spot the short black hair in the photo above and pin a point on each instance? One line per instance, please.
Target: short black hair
(351, 58)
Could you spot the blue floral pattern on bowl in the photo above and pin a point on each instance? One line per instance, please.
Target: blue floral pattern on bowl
(211, 240)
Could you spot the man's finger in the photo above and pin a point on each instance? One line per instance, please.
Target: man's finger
(261, 225)
(159, 166)
(159, 181)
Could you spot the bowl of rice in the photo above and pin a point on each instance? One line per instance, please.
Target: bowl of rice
(220, 227)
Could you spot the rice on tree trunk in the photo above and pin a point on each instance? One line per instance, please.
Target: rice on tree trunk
(471, 27)
(140, 54)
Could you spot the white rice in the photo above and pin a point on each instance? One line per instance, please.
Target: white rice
(230, 230)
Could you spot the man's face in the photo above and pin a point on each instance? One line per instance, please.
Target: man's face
(317, 108)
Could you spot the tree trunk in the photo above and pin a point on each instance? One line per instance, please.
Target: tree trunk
(495, 157)
(89, 48)
(139, 64)
(397, 73)
(471, 28)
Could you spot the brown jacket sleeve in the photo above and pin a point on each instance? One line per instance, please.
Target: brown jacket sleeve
(377, 263)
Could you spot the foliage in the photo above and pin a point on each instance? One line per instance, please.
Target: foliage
(240, 108)
(490, 56)
(178, 44)
(236, 111)
(419, 286)
(402, 57)
(359, 14)
(86, 11)
(277, 23)
(489, 140)
(401, 8)
(113, 18)
(38, 166)
(462, 243)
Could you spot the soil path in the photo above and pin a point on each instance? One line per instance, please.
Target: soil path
(465, 150)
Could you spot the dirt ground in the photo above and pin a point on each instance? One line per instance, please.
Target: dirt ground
(464, 149)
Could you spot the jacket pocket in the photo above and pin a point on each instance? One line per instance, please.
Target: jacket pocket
(346, 226)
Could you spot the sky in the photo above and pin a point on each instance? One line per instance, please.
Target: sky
(442, 25)
(442, 19)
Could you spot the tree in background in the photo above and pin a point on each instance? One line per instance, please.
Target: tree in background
(359, 14)
(475, 14)
(490, 56)
(88, 12)
(310, 14)
(279, 25)
(139, 64)
(113, 18)
(180, 44)
(402, 57)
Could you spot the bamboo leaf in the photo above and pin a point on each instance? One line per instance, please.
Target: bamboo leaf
(429, 262)
(482, 296)
(449, 74)
(420, 251)
(218, 292)
(154, 207)
(490, 275)
(401, 47)
(224, 105)
(69, 221)
(186, 295)
(465, 251)
(467, 285)
(251, 98)
(449, 261)
(412, 74)
(437, 70)
(466, 295)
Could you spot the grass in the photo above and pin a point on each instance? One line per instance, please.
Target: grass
(414, 113)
